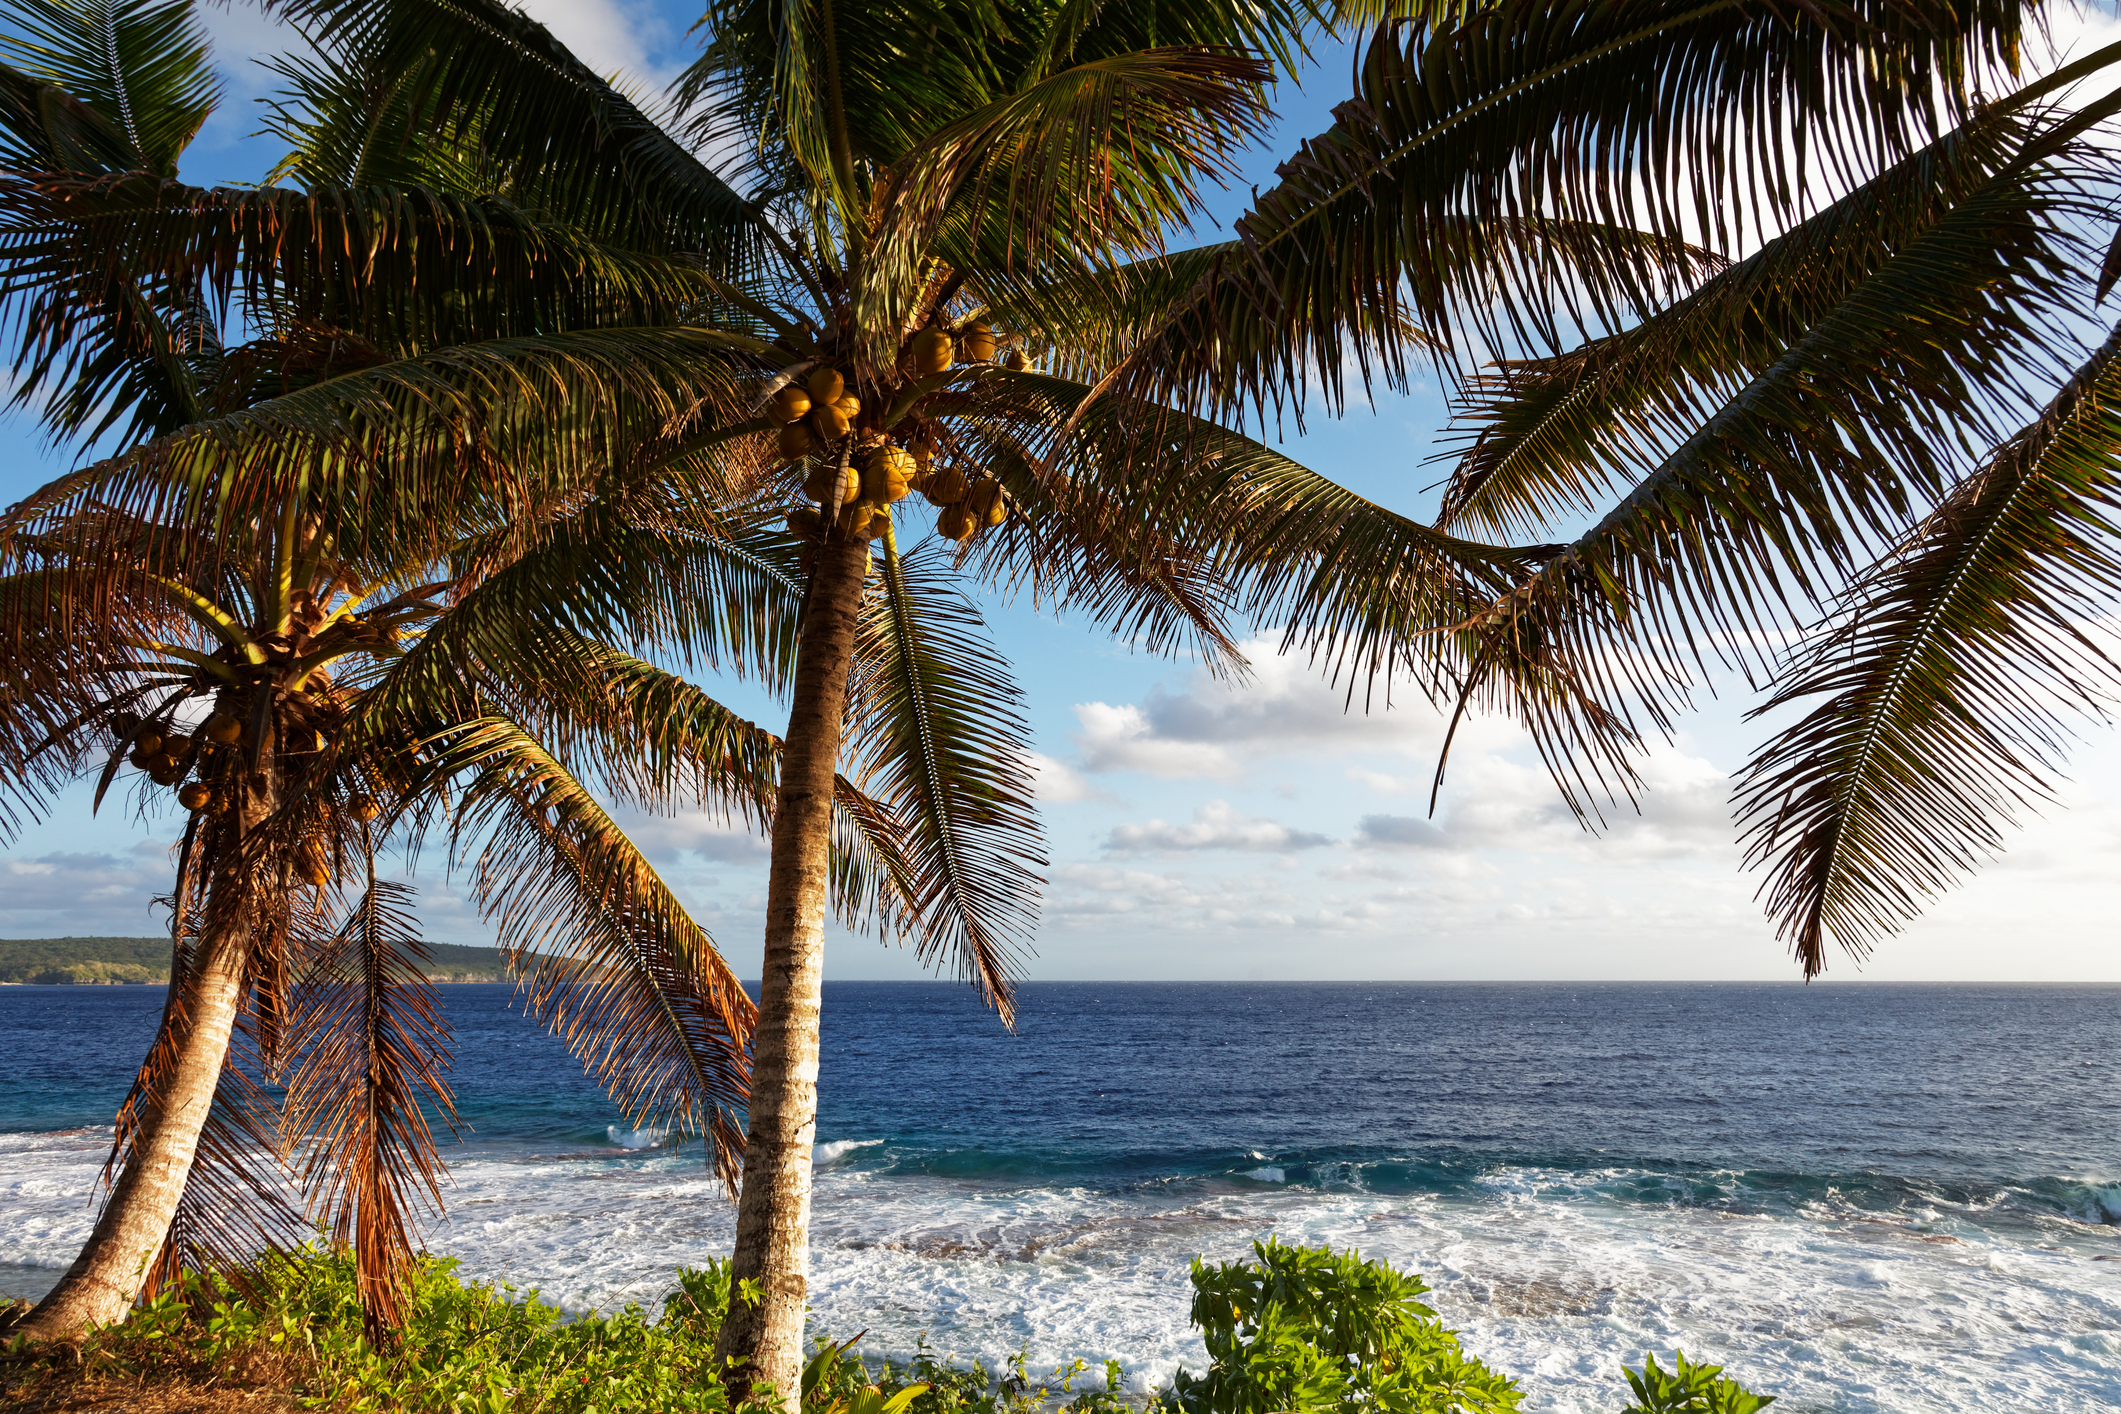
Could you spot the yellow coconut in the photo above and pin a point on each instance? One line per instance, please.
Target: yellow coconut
(826, 385)
(804, 521)
(956, 523)
(931, 353)
(985, 501)
(1017, 361)
(870, 522)
(829, 423)
(163, 770)
(195, 796)
(975, 342)
(818, 487)
(314, 866)
(847, 405)
(791, 404)
(945, 487)
(886, 472)
(364, 807)
(224, 729)
(796, 440)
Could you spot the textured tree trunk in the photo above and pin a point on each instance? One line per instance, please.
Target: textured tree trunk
(101, 1285)
(773, 1205)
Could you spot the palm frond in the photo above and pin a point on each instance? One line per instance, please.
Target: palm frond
(1780, 486)
(608, 957)
(1947, 676)
(141, 66)
(374, 1052)
(939, 743)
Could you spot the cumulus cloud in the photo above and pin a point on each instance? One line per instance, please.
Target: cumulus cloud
(663, 838)
(1060, 784)
(1216, 825)
(85, 893)
(1212, 729)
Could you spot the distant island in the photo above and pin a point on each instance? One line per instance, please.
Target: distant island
(116, 961)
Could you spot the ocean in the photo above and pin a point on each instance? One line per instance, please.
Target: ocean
(1859, 1196)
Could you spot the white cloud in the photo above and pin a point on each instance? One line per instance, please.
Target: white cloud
(1123, 739)
(614, 37)
(1060, 784)
(1216, 825)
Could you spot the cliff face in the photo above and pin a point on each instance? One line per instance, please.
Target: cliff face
(112, 961)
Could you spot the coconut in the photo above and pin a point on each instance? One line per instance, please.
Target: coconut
(931, 353)
(886, 473)
(164, 771)
(1017, 361)
(945, 487)
(195, 796)
(804, 521)
(148, 742)
(791, 404)
(796, 440)
(829, 424)
(313, 866)
(224, 729)
(826, 384)
(956, 523)
(985, 501)
(175, 746)
(870, 522)
(818, 487)
(976, 342)
(364, 807)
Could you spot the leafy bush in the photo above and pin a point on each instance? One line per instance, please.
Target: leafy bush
(1304, 1328)
(1689, 1388)
(1298, 1329)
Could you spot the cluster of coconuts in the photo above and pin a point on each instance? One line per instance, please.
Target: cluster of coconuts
(884, 470)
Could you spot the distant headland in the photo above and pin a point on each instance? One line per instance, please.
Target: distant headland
(116, 961)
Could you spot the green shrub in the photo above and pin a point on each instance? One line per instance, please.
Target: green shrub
(1690, 1389)
(1304, 1329)
(1299, 1329)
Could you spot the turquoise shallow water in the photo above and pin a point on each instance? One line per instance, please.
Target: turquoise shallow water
(1868, 1197)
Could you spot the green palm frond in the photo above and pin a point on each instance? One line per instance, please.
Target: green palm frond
(140, 66)
(939, 744)
(1782, 483)
(1465, 186)
(609, 958)
(1946, 679)
(374, 1049)
(1033, 177)
(570, 143)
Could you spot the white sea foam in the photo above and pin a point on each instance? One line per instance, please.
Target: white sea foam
(837, 1149)
(636, 1138)
(1268, 1174)
(1548, 1274)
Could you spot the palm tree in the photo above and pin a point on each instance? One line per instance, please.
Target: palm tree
(546, 284)
(303, 685)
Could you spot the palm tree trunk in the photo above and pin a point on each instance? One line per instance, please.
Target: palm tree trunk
(100, 1286)
(765, 1337)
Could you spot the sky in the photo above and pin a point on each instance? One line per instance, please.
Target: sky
(1231, 831)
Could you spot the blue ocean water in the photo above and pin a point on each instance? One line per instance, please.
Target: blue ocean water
(1862, 1196)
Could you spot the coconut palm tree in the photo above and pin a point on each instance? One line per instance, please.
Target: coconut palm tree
(306, 687)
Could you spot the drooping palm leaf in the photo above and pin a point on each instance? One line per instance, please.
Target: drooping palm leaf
(374, 1052)
(940, 745)
(609, 958)
(1947, 681)
(140, 65)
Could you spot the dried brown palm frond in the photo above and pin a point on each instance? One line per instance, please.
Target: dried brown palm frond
(374, 1049)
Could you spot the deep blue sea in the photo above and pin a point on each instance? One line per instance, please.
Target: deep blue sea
(1860, 1196)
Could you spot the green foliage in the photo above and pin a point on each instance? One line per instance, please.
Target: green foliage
(1689, 1388)
(1305, 1328)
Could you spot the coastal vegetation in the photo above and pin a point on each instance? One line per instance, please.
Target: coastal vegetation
(1294, 1330)
(50, 961)
(431, 455)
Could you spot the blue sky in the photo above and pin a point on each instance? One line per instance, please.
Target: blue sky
(1199, 830)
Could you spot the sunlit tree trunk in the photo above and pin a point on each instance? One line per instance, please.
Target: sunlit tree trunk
(773, 1206)
(105, 1279)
